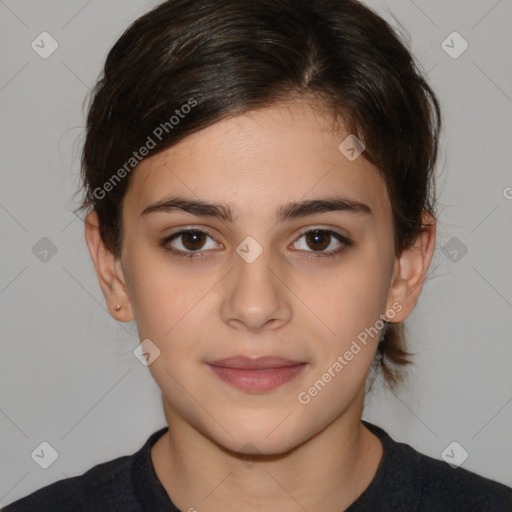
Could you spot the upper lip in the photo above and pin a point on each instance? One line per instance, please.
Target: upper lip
(259, 363)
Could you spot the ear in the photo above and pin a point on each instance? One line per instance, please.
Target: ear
(410, 270)
(109, 271)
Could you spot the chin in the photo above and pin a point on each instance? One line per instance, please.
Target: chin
(259, 446)
(266, 435)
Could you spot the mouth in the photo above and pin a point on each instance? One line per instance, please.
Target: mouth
(256, 375)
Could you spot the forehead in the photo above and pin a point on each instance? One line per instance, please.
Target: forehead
(257, 161)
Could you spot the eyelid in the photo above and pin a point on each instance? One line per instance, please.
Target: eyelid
(329, 229)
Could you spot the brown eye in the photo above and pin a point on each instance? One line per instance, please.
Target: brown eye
(193, 240)
(188, 243)
(318, 240)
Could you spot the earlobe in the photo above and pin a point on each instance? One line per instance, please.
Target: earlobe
(109, 271)
(410, 270)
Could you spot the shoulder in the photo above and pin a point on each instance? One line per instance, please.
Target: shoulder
(408, 480)
(104, 487)
(459, 489)
(116, 485)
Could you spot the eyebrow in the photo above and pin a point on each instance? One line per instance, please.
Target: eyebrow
(286, 212)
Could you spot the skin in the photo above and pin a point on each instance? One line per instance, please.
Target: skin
(317, 456)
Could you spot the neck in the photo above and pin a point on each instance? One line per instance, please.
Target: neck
(327, 472)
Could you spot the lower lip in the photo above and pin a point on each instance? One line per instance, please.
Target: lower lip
(257, 380)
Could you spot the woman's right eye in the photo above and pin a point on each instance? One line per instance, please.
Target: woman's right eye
(191, 241)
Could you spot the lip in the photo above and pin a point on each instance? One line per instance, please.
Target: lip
(256, 374)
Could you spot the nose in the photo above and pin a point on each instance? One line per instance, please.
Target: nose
(256, 296)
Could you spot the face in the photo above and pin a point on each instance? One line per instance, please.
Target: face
(273, 280)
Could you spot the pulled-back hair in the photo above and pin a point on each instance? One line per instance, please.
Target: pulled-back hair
(188, 64)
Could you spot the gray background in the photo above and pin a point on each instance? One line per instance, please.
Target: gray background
(68, 375)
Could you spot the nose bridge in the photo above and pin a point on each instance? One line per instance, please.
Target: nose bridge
(255, 294)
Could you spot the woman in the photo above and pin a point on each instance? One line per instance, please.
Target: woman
(259, 180)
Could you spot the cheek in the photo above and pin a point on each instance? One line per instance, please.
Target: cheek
(353, 297)
(352, 305)
(164, 295)
(171, 313)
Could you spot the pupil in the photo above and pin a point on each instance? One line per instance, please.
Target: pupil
(191, 238)
(315, 235)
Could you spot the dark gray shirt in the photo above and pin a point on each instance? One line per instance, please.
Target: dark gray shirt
(405, 481)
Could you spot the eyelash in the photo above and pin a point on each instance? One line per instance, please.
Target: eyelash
(200, 254)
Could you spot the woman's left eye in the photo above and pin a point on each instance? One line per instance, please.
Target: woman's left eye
(192, 243)
(322, 238)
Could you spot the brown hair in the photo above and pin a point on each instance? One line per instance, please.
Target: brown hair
(220, 59)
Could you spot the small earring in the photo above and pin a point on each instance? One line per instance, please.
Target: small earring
(118, 307)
